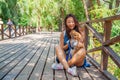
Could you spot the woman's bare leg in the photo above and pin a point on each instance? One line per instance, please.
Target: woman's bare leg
(61, 56)
(78, 58)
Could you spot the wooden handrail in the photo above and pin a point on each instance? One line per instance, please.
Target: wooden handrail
(112, 41)
(113, 55)
(111, 18)
(7, 33)
(94, 49)
(96, 34)
(105, 41)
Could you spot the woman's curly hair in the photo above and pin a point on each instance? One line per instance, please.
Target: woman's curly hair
(76, 24)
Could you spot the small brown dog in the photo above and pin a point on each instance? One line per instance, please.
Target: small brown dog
(75, 40)
(78, 52)
(75, 35)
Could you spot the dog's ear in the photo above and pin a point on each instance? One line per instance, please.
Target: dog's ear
(77, 35)
(72, 33)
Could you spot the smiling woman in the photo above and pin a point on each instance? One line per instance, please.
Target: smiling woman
(63, 49)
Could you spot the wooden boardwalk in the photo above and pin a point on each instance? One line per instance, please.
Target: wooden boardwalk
(30, 57)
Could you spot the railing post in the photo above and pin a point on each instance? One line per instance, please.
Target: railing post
(26, 29)
(19, 30)
(23, 29)
(15, 31)
(9, 28)
(104, 56)
(86, 37)
(2, 30)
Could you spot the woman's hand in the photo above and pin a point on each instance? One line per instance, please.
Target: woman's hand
(65, 47)
(79, 45)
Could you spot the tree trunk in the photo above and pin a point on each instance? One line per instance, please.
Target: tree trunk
(110, 4)
(61, 8)
(98, 2)
(86, 9)
(38, 28)
(117, 3)
(89, 3)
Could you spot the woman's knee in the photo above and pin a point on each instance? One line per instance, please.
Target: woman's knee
(81, 52)
(57, 49)
(78, 57)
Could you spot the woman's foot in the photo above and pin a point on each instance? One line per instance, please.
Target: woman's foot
(72, 71)
(57, 66)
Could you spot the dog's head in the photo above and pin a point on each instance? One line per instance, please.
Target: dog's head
(75, 35)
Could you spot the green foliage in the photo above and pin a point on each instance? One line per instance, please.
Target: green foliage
(24, 20)
(97, 12)
(115, 29)
(46, 13)
(8, 9)
(114, 70)
(78, 10)
(98, 27)
(117, 72)
(4, 11)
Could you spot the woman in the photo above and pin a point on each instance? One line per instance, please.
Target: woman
(77, 59)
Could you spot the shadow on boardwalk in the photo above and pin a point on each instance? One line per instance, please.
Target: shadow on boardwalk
(30, 58)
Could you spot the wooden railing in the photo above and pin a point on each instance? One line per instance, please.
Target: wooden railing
(105, 40)
(14, 31)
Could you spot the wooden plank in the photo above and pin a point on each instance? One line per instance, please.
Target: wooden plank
(95, 73)
(24, 75)
(4, 48)
(37, 72)
(83, 74)
(9, 48)
(10, 45)
(94, 63)
(48, 72)
(9, 59)
(15, 71)
(40, 51)
(25, 72)
(59, 74)
(12, 52)
(11, 65)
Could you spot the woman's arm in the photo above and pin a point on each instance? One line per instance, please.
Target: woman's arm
(64, 47)
(81, 41)
(80, 45)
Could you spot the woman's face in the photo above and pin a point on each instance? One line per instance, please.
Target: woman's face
(70, 23)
